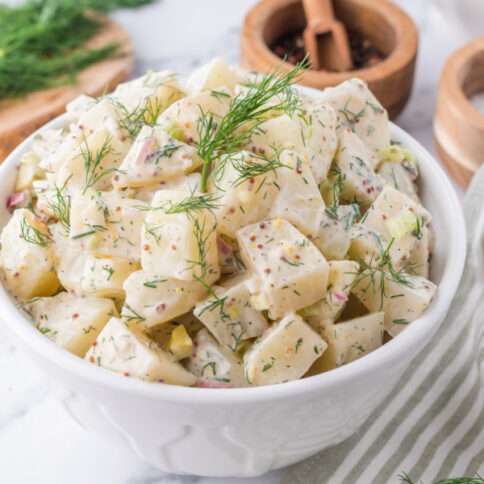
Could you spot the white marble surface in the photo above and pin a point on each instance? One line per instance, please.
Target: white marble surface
(38, 440)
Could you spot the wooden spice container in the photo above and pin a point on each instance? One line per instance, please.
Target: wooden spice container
(458, 125)
(381, 22)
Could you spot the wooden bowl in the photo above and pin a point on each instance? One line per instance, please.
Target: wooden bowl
(384, 24)
(21, 117)
(458, 125)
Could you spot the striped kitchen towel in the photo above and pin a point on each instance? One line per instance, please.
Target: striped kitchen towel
(432, 427)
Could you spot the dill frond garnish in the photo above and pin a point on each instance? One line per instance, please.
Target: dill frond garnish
(61, 206)
(164, 152)
(351, 117)
(381, 269)
(247, 169)
(192, 203)
(337, 178)
(131, 314)
(33, 235)
(214, 303)
(247, 111)
(202, 235)
(143, 115)
(93, 168)
(154, 283)
(152, 230)
(92, 230)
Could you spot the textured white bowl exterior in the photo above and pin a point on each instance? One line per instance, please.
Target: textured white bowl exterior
(247, 432)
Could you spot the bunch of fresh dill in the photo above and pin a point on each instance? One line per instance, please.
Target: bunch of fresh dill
(42, 42)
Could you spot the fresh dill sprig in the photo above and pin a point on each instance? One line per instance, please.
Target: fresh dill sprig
(337, 177)
(192, 203)
(164, 152)
(93, 168)
(154, 283)
(42, 42)
(248, 168)
(61, 206)
(351, 117)
(152, 230)
(142, 115)
(33, 235)
(247, 111)
(215, 302)
(381, 269)
(92, 230)
(131, 314)
(201, 235)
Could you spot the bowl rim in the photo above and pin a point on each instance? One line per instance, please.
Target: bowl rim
(412, 338)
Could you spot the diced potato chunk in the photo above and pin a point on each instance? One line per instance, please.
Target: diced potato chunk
(150, 94)
(214, 365)
(69, 258)
(211, 76)
(312, 135)
(325, 312)
(181, 119)
(189, 183)
(229, 316)
(103, 115)
(157, 299)
(350, 340)
(87, 213)
(284, 353)
(109, 224)
(91, 163)
(359, 110)
(27, 257)
(290, 271)
(72, 322)
(334, 235)
(398, 222)
(242, 199)
(80, 105)
(155, 157)
(354, 172)
(85, 274)
(179, 243)
(298, 199)
(122, 349)
(104, 277)
(399, 178)
(28, 171)
(404, 298)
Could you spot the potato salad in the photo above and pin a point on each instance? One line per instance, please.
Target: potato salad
(228, 231)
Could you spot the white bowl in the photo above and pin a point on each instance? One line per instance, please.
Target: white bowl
(249, 431)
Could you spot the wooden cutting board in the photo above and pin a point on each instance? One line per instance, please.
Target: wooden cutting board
(20, 117)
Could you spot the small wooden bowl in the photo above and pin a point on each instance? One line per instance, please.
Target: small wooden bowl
(458, 125)
(21, 117)
(384, 24)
